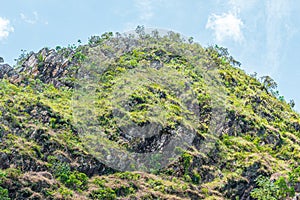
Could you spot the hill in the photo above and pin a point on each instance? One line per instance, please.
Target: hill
(143, 116)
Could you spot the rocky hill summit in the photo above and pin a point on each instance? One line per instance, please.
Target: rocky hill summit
(144, 116)
(47, 65)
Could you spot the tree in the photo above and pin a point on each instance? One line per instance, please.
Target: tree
(1, 60)
(140, 30)
(191, 40)
(155, 34)
(292, 103)
(268, 83)
(96, 40)
(174, 37)
(218, 53)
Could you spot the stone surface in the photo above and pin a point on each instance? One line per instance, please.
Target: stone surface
(6, 69)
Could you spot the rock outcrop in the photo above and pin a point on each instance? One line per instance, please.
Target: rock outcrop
(149, 90)
(48, 66)
(6, 70)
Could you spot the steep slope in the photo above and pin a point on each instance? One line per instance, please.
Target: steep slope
(68, 115)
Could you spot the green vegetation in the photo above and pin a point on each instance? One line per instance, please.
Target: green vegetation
(3, 192)
(103, 192)
(282, 188)
(268, 190)
(74, 180)
(166, 81)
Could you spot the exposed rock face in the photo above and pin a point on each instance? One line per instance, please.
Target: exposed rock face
(47, 65)
(7, 70)
(43, 155)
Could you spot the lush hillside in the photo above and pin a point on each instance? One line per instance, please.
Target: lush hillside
(143, 116)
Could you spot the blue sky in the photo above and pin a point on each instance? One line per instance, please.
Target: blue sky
(262, 34)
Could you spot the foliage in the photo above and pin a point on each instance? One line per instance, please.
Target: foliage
(103, 192)
(218, 52)
(268, 82)
(23, 56)
(96, 40)
(187, 159)
(72, 179)
(260, 135)
(292, 103)
(275, 189)
(3, 192)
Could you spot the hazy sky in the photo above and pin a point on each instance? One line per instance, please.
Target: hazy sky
(262, 34)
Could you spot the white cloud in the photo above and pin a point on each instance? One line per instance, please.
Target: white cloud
(226, 26)
(28, 19)
(5, 28)
(145, 9)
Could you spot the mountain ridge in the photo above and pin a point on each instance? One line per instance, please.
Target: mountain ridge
(44, 157)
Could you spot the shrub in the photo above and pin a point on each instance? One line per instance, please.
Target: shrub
(72, 179)
(272, 190)
(103, 193)
(3, 191)
(66, 193)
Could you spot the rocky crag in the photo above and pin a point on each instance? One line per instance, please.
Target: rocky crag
(253, 154)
